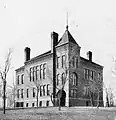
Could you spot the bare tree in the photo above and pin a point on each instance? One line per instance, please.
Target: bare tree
(3, 74)
(59, 88)
(12, 94)
(109, 97)
(37, 83)
(93, 90)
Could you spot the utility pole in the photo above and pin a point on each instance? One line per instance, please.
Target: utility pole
(4, 95)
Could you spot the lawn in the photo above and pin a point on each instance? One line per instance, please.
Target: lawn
(52, 113)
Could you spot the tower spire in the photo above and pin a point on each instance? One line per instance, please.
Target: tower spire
(67, 21)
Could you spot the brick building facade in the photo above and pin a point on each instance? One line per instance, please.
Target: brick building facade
(48, 71)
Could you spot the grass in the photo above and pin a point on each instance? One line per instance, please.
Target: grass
(52, 113)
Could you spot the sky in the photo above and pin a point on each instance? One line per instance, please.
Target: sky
(29, 23)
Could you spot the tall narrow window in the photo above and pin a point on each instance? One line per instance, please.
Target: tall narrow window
(93, 75)
(40, 103)
(27, 104)
(31, 74)
(57, 82)
(75, 93)
(22, 78)
(44, 71)
(73, 61)
(21, 93)
(76, 62)
(99, 76)
(33, 92)
(71, 93)
(33, 104)
(34, 73)
(86, 74)
(58, 62)
(40, 71)
(47, 103)
(63, 78)
(18, 93)
(63, 61)
(37, 72)
(18, 79)
(48, 91)
(74, 79)
(40, 90)
(27, 93)
(44, 90)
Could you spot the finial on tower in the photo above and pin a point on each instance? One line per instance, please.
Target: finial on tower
(67, 21)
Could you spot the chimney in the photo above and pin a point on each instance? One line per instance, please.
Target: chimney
(89, 55)
(27, 53)
(54, 40)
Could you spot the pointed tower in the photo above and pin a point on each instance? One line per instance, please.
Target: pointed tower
(67, 62)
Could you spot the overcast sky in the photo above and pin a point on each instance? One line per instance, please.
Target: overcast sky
(30, 23)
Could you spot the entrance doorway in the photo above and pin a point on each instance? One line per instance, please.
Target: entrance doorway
(62, 95)
(87, 103)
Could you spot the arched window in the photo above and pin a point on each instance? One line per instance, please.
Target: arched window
(74, 79)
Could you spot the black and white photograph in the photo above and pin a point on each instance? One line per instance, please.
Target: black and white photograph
(57, 60)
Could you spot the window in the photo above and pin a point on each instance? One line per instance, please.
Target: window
(22, 78)
(76, 62)
(40, 90)
(44, 70)
(63, 78)
(58, 62)
(63, 61)
(37, 72)
(71, 93)
(33, 104)
(47, 103)
(34, 73)
(74, 79)
(31, 74)
(74, 93)
(21, 93)
(57, 82)
(33, 92)
(40, 103)
(18, 79)
(73, 61)
(91, 75)
(44, 90)
(18, 93)
(40, 71)
(27, 104)
(99, 76)
(86, 74)
(48, 91)
(27, 93)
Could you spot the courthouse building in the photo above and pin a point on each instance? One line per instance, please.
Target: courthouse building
(62, 65)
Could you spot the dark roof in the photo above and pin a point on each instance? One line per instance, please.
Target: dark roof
(66, 38)
(90, 62)
(22, 67)
(39, 56)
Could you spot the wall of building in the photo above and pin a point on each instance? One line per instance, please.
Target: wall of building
(31, 84)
